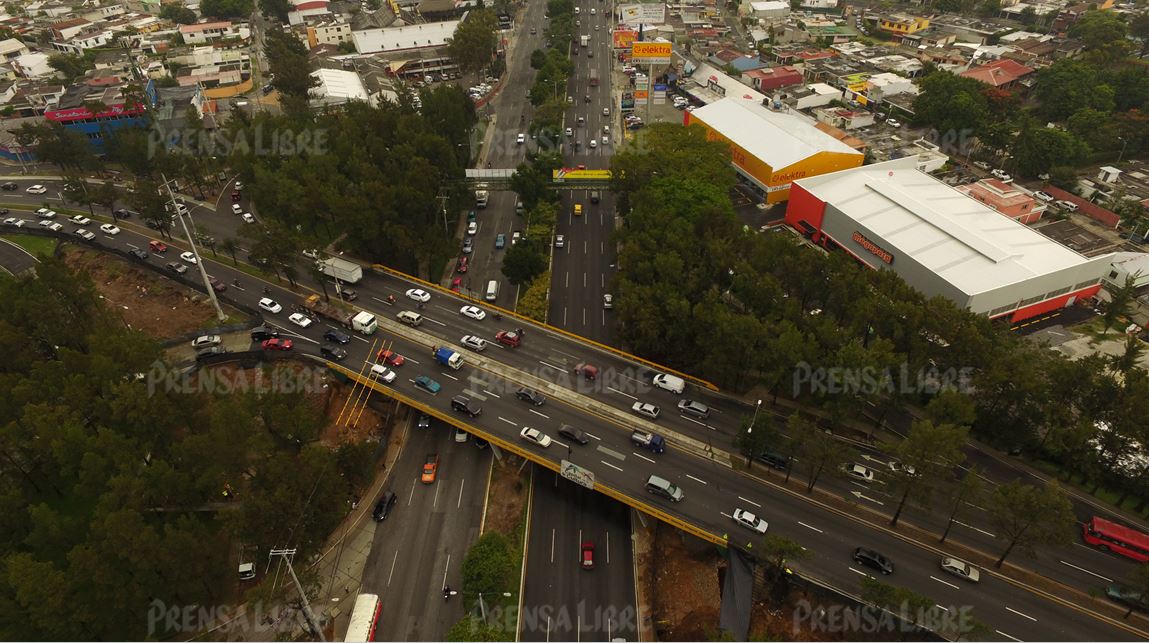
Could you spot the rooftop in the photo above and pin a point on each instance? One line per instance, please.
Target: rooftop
(434, 34)
(963, 241)
(999, 72)
(778, 139)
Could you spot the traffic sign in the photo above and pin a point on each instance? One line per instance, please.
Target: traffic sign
(578, 475)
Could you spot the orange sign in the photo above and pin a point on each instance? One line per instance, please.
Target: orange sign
(623, 38)
(651, 52)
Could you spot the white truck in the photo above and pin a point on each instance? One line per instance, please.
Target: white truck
(481, 195)
(584, 40)
(348, 272)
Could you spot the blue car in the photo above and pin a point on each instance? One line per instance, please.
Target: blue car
(500, 241)
(427, 384)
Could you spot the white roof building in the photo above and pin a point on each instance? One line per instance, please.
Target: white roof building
(408, 38)
(779, 139)
(892, 216)
(337, 87)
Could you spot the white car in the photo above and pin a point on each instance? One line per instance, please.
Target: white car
(981, 164)
(45, 213)
(421, 296)
(593, 143)
(382, 373)
(896, 467)
(569, 132)
(299, 319)
(646, 409)
(45, 223)
(474, 312)
(36, 189)
(606, 111)
(474, 343)
(859, 472)
(536, 436)
(592, 11)
(247, 218)
(86, 234)
(560, 241)
(961, 569)
(605, 140)
(203, 341)
(188, 257)
(270, 305)
(1001, 174)
(750, 521)
(56, 227)
(473, 227)
(522, 138)
(608, 301)
(893, 123)
(19, 223)
(108, 228)
(80, 219)
(236, 208)
(1044, 196)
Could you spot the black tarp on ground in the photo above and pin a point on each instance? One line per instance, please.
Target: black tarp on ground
(737, 594)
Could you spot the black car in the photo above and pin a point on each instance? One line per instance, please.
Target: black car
(260, 333)
(338, 337)
(333, 353)
(480, 443)
(424, 421)
(383, 507)
(571, 433)
(9, 186)
(348, 295)
(140, 254)
(209, 351)
(122, 213)
(530, 395)
(464, 404)
(871, 558)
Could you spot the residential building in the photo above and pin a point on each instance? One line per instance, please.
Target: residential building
(326, 30)
(843, 118)
(204, 33)
(902, 24)
(767, 80)
(770, 11)
(1007, 198)
(881, 86)
(12, 49)
(1001, 74)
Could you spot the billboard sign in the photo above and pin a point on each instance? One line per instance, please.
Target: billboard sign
(623, 38)
(650, 53)
(647, 13)
(570, 173)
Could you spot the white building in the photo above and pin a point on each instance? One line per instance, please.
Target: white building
(337, 87)
(1124, 265)
(203, 33)
(819, 4)
(408, 38)
(768, 10)
(34, 65)
(12, 48)
(884, 85)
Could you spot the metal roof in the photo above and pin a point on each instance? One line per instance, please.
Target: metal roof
(971, 246)
(778, 139)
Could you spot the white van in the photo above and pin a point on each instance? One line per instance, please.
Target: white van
(670, 383)
(492, 290)
(1067, 205)
(410, 317)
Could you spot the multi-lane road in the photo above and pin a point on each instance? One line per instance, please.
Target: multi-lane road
(712, 491)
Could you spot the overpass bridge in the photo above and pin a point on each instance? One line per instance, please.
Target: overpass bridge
(500, 179)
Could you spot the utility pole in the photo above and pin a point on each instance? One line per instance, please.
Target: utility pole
(198, 261)
(287, 555)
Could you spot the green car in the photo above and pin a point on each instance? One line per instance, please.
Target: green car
(1127, 596)
(470, 216)
(427, 384)
(500, 241)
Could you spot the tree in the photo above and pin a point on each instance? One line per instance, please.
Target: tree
(951, 407)
(60, 146)
(1039, 149)
(523, 262)
(70, 66)
(906, 603)
(1027, 516)
(472, 628)
(816, 448)
(1120, 303)
(1028, 16)
(1104, 35)
(473, 43)
(538, 59)
(489, 565)
(275, 8)
(752, 440)
(177, 14)
(1138, 584)
(1069, 85)
(76, 191)
(230, 245)
(226, 8)
(779, 549)
(290, 65)
(965, 492)
(1139, 28)
(926, 455)
(953, 105)
(105, 195)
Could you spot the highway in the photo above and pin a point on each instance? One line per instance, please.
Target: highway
(711, 489)
(420, 547)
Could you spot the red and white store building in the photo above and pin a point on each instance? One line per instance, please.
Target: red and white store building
(891, 216)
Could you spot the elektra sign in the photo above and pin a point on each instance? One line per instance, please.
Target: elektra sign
(873, 248)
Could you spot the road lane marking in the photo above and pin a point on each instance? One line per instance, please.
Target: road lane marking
(487, 392)
(511, 422)
(941, 607)
(539, 414)
(975, 528)
(944, 582)
(450, 376)
(809, 527)
(1012, 638)
(614, 390)
(1010, 609)
(643, 457)
(435, 321)
(857, 572)
(459, 502)
(610, 465)
(594, 436)
(690, 419)
(557, 368)
(750, 502)
(697, 479)
(391, 573)
(1082, 569)
(552, 545)
(445, 568)
(614, 454)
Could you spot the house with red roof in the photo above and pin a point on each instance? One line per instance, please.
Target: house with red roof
(1002, 74)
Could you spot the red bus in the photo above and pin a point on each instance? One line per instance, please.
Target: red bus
(364, 618)
(1110, 536)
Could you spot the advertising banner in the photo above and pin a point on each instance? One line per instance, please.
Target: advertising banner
(649, 13)
(570, 173)
(650, 53)
(623, 38)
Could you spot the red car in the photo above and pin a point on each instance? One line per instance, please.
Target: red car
(157, 246)
(456, 284)
(509, 338)
(390, 357)
(235, 196)
(462, 265)
(586, 560)
(587, 371)
(277, 344)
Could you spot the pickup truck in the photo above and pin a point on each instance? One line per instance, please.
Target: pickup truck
(649, 441)
(448, 357)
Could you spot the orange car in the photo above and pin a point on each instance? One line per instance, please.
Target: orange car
(430, 468)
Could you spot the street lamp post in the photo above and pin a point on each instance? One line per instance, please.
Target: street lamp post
(1123, 144)
(750, 429)
(483, 609)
